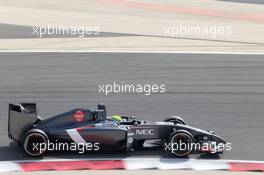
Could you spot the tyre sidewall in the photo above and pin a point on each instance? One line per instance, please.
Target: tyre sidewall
(30, 133)
(184, 133)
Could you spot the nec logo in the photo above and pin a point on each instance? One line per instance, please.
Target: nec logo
(145, 132)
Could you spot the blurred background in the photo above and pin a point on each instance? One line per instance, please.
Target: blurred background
(135, 25)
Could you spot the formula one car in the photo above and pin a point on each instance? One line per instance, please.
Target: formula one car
(95, 131)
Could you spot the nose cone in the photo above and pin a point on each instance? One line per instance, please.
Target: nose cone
(218, 139)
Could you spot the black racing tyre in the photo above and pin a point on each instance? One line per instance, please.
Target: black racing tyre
(175, 120)
(181, 143)
(35, 143)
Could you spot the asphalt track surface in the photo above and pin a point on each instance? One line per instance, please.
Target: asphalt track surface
(224, 93)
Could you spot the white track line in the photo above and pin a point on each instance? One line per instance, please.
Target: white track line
(147, 51)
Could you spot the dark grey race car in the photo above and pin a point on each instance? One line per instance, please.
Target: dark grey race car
(93, 129)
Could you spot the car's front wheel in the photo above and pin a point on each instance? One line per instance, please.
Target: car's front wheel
(175, 120)
(181, 143)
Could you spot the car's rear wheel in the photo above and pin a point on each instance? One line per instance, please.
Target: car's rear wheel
(35, 143)
(181, 143)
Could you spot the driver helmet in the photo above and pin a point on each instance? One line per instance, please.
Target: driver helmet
(117, 118)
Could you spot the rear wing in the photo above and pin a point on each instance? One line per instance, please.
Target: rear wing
(21, 117)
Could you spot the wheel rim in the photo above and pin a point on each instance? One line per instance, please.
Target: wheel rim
(33, 142)
(181, 144)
